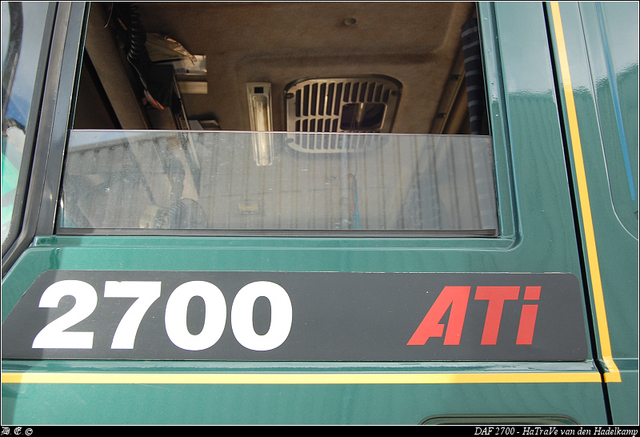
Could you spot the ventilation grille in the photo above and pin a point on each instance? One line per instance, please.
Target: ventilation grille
(365, 104)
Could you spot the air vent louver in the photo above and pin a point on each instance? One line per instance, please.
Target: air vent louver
(364, 104)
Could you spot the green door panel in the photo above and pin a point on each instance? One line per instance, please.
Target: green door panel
(537, 235)
(601, 41)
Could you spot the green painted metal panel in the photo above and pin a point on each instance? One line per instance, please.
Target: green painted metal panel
(299, 404)
(602, 50)
(292, 403)
(537, 235)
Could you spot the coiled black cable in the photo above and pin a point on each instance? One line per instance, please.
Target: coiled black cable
(137, 40)
(137, 35)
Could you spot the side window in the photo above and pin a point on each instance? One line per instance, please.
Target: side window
(23, 26)
(215, 117)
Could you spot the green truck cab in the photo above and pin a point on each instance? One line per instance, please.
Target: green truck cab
(320, 213)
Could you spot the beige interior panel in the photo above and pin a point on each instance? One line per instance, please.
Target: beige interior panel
(417, 43)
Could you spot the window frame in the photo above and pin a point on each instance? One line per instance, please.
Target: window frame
(31, 128)
(56, 113)
(505, 228)
(47, 131)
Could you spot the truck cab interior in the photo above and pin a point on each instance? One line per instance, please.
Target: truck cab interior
(399, 67)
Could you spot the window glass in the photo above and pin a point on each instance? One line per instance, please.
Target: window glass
(218, 180)
(294, 116)
(23, 25)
